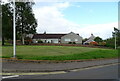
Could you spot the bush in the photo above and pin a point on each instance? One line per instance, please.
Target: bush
(94, 43)
(110, 42)
(110, 45)
(40, 41)
(102, 43)
(27, 42)
(71, 42)
(74, 42)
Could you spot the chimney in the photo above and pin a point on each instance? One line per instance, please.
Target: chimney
(44, 32)
(91, 34)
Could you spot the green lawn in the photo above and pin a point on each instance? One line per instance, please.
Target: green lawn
(58, 52)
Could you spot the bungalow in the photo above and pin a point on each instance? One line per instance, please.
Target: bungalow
(90, 39)
(57, 38)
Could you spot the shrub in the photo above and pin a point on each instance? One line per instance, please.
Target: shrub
(110, 42)
(48, 42)
(74, 42)
(102, 43)
(93, 43)
(40, 41)
(110, 45)
(71, 42)
(27, 42)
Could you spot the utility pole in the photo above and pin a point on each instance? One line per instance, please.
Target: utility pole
(115, 39)
(115, 35)
(14, 32)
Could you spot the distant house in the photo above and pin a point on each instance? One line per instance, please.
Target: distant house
(57, 38)
(71, 37)
(90, 39)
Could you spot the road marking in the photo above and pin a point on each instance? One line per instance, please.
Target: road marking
(41, 73)
(93, 67)
(10, 76)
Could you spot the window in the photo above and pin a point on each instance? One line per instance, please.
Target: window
(67, 39)
(76, 39)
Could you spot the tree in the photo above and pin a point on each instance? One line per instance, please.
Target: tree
(84, 40)
(7, 25)
(25, 20)
(116, 36)
(116, 32)
(98, 39)
(110, 42)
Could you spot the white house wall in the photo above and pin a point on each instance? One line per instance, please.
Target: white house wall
(46, 40)
(35, 41)
(50, 40)
(29, 35)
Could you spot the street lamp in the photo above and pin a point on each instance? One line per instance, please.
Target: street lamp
(14, 32)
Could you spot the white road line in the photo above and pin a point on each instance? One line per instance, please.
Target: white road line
(41, 73)
(10, 76)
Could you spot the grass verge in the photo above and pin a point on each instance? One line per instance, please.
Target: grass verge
(59, 52)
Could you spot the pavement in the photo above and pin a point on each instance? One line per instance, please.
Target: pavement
(103, 72)
(22, 67)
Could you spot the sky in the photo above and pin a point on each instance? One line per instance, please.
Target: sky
(84, 18)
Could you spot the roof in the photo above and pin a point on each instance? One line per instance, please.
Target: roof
(48, 36)
(91, 39)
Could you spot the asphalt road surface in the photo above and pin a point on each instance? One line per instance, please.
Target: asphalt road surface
(104, 72)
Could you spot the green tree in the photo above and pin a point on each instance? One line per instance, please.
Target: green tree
(25, 20)
(98, 39)
(7, 25)
(116, 36)
(84, 40)
(110, 42)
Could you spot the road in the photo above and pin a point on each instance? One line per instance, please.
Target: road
(101, 72)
